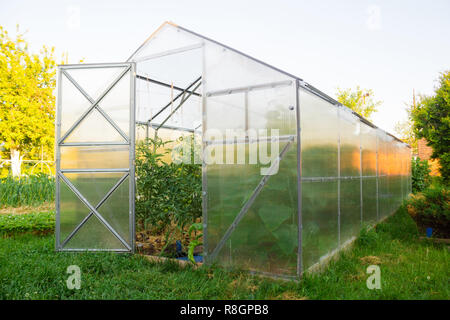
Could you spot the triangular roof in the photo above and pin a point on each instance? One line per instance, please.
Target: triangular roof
(304, 84)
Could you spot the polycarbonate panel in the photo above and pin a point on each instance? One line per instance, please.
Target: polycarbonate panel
(95, 128)
(319, 137)
(271, 108)
(179, 69)
(227, 70)
(369, 188)
(267, 237)
(95, 157)
(116, 104)
(350, 211)
(94, 235)
(319, 220)
(73, 104)
(116, 210)
(349, 127)
(94, 185)
(167, 38)
(72, 210)
(369, 150)
(94, 81)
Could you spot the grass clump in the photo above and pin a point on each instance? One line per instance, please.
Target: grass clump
(28, 190)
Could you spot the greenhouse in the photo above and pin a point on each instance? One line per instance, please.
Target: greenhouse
(288, 176)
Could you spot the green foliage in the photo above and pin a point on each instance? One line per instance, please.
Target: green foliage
(431, 208)
(39, 221)
(359, 100)
(195, 235)
(26, 190)
(27, 103)
(167, 193)
(420, 175)
(432, 121)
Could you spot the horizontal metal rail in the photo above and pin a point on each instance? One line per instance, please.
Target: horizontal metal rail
(250, 88)
(283, 138)
(94, 170)
(165, 84)
(169, 52)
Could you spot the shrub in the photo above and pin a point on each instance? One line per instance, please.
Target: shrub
(168, 195)
(27, 190)
(431, 209)
(420, 175)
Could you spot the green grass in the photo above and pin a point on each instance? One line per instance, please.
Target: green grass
(36, 221)
(26, 190)
(410, 269)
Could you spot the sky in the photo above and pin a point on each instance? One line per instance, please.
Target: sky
(391, 47)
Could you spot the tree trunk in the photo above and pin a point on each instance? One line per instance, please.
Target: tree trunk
(16, 162)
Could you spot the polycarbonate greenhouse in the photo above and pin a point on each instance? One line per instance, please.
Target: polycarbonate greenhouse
(289, 175)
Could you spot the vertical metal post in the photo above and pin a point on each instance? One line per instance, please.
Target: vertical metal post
(57, 160)
(377, 176)
(299, 180)
(360, 171)
(132, 132)
(204, 167)
(339, 175)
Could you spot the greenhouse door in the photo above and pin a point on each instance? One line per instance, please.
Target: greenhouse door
(95, 129)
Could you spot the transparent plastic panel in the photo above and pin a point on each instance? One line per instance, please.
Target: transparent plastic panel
(73, 104)
(369, 150)
(319, 136)
(349, 127)
(226, 112)
(178, 69)
(320, 220)
(167, 38)
(95, 128)
(116, 210)
(350, 209)
(94, 186)
(72, 211)
(94, 81)
(94, 235)
(267, 237)
(116, 104)
(271, 109)
(94, 157)
(369, 188)
(228, 70)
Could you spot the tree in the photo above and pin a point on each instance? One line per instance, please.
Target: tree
(27, 104)
(432, 121)
(359, 100)
(405, 129)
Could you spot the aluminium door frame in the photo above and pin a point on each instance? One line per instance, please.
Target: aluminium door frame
(130, 141)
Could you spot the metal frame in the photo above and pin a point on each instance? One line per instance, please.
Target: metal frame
(128, 172)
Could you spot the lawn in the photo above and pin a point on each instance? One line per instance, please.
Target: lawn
(410, 269)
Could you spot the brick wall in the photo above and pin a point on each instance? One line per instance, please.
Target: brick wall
(424, 153)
